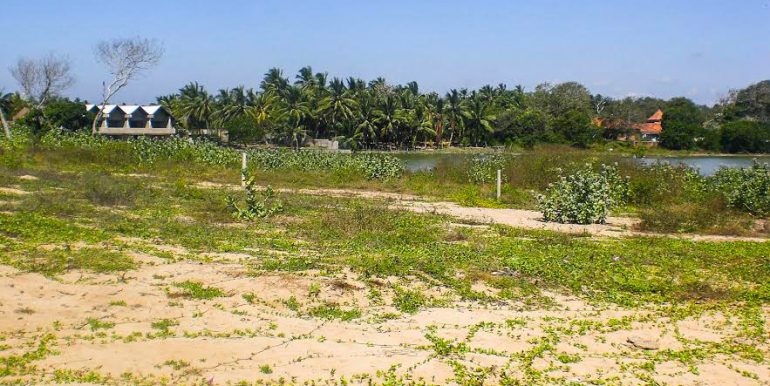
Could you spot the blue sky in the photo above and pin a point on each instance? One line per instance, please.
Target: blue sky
(699, 49)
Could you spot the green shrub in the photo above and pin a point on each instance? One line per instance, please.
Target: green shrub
(745, 189)
(258, 204)
(584, 197)
(196, 290)
(148, 151)
(483, 168)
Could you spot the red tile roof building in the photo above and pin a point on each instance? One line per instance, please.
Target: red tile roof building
(653, 126)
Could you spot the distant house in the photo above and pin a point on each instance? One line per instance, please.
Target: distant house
(646, 133)
(134, 120)
(649, 132)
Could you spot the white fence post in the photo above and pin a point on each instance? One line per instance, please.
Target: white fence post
(499, 182)
(243, 169)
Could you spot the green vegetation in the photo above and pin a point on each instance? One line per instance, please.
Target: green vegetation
(196, 290)
(265, 369)
(585, 197)
(354, 261)
(334, 311)
(367, 236)
(746, 189)
(696, 205)
(378, 115)
(256, 207)
(409, 301)
(96, 324)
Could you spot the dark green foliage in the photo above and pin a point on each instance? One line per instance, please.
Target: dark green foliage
(682, 124)
(67, 115)
(752, 102)
(745, 137)
(577, 127)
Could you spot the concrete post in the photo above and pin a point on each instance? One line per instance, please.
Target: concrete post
(243, 169)
(499, 182)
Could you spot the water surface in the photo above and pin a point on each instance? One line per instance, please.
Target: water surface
(706, 165)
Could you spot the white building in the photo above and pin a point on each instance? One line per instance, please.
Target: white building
(134, 120)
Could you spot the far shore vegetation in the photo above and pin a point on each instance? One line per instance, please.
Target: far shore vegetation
(376, 114)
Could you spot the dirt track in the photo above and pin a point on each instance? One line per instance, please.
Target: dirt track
(520, 218)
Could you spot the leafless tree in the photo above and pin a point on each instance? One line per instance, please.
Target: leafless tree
(42, 79)
(125, 59)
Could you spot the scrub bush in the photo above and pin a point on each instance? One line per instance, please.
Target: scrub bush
(745, 189)
(483, 168)
(258, 204)
(584, 197)
(148, 151)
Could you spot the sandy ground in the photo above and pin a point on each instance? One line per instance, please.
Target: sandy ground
(228, 339)
(520, 218)
(139, 327)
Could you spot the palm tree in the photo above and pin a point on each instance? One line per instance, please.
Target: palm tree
(337, 105)
(274, 81)
(263, 112)
(389, 117)
(478, 117)
(233, 104)
(305, 78)
(194, 106)
(455, 110)
(295, 110)
(435, 113)
(355, 85)
(367, 118)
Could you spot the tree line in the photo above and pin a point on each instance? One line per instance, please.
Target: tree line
(380, 115)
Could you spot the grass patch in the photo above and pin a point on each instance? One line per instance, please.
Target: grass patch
(196, 290)
(58, 261)
(409, 301)
(333, 311)
(96, 324)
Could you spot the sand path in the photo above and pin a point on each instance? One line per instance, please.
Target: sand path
(519, 218)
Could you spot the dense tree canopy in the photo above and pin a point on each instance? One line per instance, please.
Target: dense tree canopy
(682, 124)
(380, 115)
(377, 114)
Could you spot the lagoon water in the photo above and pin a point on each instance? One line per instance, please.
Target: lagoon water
(706, 165)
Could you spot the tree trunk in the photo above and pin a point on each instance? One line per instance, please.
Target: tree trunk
(96, 118)
(6, 128)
